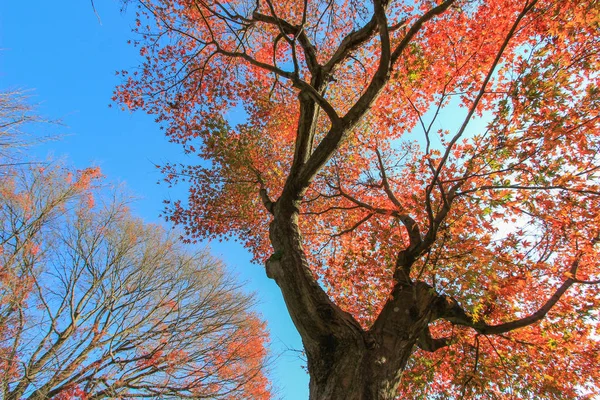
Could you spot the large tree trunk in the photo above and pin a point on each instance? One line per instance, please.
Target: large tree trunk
(342, 370)
(345, 361)
(371, 366)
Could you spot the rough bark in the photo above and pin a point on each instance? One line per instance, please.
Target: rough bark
(370, 366)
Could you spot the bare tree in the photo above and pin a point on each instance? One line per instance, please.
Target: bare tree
(94, 303)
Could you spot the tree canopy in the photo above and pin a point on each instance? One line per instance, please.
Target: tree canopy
(94, 303)
(421, 179)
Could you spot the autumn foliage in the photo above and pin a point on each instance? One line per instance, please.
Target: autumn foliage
(446, 147)
(94, 303)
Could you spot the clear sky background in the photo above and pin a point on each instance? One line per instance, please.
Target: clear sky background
(66, 57)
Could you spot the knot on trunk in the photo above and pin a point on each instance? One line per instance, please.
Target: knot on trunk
(273, 265)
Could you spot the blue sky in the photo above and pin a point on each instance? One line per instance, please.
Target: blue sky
(67, 59)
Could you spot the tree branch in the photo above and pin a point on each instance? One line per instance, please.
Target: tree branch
(453, 312)
(472, 109)
(427, 343)
(262, 191)
(341, 128)
(298, 31)
(411, 225)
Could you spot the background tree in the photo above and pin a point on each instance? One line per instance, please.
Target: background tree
(94, 303)
(420, 178)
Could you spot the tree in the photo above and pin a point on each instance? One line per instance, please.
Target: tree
(420, 178)
(94, 303)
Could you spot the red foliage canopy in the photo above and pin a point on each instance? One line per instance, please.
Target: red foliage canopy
(464, 133)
